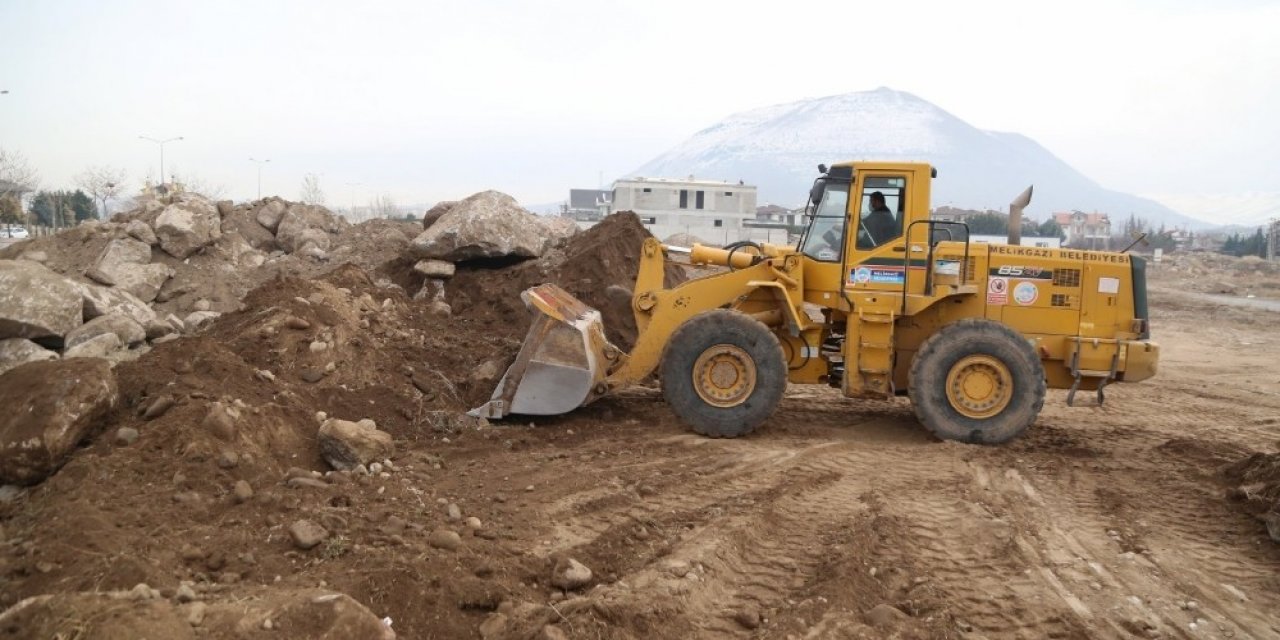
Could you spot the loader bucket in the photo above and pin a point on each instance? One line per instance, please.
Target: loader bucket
(562, 363)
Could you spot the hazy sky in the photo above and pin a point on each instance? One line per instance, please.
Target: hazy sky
(426, 100)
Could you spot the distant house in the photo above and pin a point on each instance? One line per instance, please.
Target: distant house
(954, 214)
(1273, 240)
(715, 211)
(779, 215)
(587, 205)
(1084, 230)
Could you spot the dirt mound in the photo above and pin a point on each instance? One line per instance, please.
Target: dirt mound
(587, 265)
(1216, 273)
(1256, 481)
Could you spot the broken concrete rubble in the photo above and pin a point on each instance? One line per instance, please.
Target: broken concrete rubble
(15, 352)
(36, 303)
(187, 226)
(489, 224)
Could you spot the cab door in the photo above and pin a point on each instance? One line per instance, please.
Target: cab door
(878, 209)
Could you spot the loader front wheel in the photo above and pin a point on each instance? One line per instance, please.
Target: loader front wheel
(723, 373)
(977, 381)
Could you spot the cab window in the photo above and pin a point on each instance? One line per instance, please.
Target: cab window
(826, 230)
(883, 209)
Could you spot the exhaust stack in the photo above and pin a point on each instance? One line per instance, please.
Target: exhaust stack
(1015, 215)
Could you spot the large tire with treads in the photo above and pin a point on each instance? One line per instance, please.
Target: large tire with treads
(723, 373)
(977, 381)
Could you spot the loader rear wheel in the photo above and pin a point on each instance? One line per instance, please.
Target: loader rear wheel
(723, 373)
(977, 381)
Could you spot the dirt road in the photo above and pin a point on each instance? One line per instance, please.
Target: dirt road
(1101, 522)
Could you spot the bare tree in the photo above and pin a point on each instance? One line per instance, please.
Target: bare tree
(16, 175)
(192, 183)
(311, 191)
(383, 206)
(103, 183)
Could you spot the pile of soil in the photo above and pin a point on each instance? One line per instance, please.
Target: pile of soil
(597, 266)
(1216, 273)
(1256, 481)
(227, 460)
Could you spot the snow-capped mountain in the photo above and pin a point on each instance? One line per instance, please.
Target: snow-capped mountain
(778, 149)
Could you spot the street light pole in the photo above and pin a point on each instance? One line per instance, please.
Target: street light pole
(161, 143)
(259, 163)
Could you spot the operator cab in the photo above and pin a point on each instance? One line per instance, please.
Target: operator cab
(880, 208)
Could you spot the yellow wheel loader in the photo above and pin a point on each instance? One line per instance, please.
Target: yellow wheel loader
(876, 299)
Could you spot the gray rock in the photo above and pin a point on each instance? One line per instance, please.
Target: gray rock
(99, 301)
(308, 483)
(748, 617)
(445, 539)
(15, 352)
(435, 213)
(474, 523)
(558, 228)
(188, 226)
(453, 512)
(196, 612)
(241, 492)
(221, 421)
(307, 534)
(1272, 520)
(446, 421)
(158, 407)
(126, 264)
(270, 213)
(184, 593)
(99, 346)
(49, 408)
(142, 232)
(434, 269)
(345, 444)
(488, 224)
(125, 328)
(36, 302)
(440, 309)
(304, 224)
(569, 574)
(228, 460)
(158, 329)
(197, 319)
(883, 616)
(432, 289)
(310, 250)
(126, 436)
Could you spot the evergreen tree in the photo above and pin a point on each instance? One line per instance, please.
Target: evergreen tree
(62, 208)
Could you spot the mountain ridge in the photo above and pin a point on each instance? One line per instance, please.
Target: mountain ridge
(778, 148)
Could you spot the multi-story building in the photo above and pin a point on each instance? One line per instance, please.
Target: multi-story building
(715, 212)
(1084, 230)
(587, 205)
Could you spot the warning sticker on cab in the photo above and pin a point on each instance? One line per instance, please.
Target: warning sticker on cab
(997, 291)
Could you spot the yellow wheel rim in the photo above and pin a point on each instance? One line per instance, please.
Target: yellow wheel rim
(979, 386)
(724, 376)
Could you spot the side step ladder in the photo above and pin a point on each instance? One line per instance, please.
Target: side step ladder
(1104, 376)
(875, 342)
